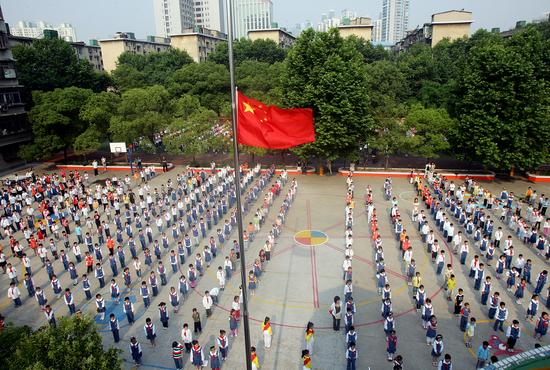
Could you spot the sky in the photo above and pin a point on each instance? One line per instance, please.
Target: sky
(97, 19)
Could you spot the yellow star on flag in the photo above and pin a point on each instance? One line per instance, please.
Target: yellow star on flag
(248, 107)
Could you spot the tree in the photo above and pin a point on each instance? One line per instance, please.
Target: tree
(98, 110)
(260, 80)
(387, 87)
(56, 122)
(503, 103)
(142, 113)
(73, 344)
(136, 70)
(370, 52)
(260, 50)
(388, 137)
(325, 72)
(10, 336)
(207, 81)
(427, 131)
(48, 64)
(417, 65)
(195, 135)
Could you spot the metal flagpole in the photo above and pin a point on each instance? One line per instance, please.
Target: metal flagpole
(236, 165)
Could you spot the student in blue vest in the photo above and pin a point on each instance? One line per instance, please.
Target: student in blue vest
(128, 309)
(135, 348)
(29, 284)
(69, 301)
(144, 292)
(41, 297)
(215, 362)
(223, 344)
(163, 315)
(391, 345)
(445, 363)
(541, 326)
(150, 331)
(351, 336)
(153, 283)
(196, 357)
(437, 349)
(100, 275)
(86, 286)
(112, 263)
(115, 291)
(351, 357)
(50, 316)
(541, 281)
(486, 290)
(115, 329)
(513, 333)
(500, 316)
(100, 306)
(121, 257)
(161, 270)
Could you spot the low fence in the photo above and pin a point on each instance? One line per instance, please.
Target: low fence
(531, 357)
(537, 178)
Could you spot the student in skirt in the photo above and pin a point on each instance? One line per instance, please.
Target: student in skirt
(174, 299)
(541, 327)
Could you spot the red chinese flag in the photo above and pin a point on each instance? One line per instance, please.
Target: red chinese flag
(268, 126)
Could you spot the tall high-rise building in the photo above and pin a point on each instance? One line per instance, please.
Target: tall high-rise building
(348, 15)
(36, 30)
(173, 16)
(251, 15)
(328, 21)
(395, 19)
(211, 14)
(377, 30)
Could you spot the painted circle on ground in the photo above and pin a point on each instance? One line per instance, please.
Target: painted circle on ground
(310, 238)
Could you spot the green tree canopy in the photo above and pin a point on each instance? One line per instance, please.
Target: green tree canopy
(208, 81)
(56, 121)
(196, 134)
(141, 113)
(427, 131)
(136, 70)
(325, 72)
(504, 102)
(73, 344)
(369, 52)
(260, 50)
(48, 64)
(260, 80)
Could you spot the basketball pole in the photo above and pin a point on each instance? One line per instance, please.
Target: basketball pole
(236, 166)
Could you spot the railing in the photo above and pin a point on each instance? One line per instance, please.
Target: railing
(522, 358)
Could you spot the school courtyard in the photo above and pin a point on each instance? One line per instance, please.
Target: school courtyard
(300, 282)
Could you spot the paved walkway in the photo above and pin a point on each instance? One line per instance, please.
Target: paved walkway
(299, 285)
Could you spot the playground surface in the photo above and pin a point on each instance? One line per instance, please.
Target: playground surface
(300, 282)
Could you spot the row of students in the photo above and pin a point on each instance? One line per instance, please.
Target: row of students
(477, 272)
